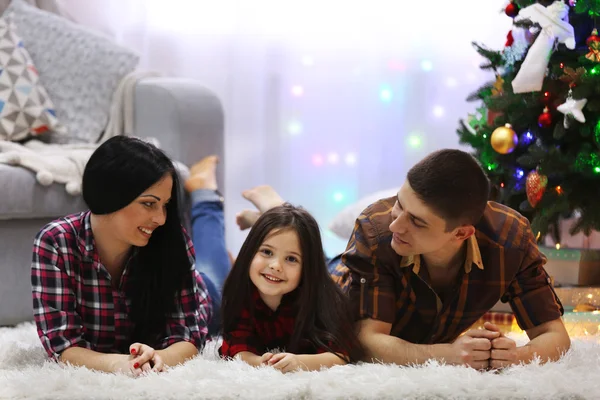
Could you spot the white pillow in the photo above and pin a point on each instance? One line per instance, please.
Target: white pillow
(79, 68)
(25, 107)
(343, 223)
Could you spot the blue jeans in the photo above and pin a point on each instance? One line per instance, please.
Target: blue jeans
(212, 259)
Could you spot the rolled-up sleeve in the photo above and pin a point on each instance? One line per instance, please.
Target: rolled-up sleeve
(531, 295)
(58, 324)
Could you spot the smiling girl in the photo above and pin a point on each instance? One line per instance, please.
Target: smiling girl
(279, 296)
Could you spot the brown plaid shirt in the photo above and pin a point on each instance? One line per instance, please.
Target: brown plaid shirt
(502, 263)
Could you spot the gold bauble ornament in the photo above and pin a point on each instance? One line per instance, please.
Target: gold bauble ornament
(504, 139)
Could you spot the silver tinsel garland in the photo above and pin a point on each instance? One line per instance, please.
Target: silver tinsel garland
(514, 53)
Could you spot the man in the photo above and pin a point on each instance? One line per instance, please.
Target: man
(423, 266)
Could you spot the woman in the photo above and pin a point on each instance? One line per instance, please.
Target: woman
(115, 288)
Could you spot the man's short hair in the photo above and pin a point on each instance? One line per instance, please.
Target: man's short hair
(453, 184)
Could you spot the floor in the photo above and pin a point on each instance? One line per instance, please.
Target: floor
(25, 373)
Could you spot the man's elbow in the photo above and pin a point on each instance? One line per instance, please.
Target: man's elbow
(373, 346)
(564, 343)
(371, 334)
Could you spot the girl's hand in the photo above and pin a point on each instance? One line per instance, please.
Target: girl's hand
(285, 362)
(264, 359)
(146, 359)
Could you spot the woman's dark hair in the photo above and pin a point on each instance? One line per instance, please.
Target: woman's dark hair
(116, 174)
(324, 317)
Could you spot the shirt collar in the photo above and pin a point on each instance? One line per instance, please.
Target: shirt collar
(473, 257)
(87, 244)
(86, 237)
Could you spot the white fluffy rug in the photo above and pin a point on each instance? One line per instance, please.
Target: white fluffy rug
(26, 374)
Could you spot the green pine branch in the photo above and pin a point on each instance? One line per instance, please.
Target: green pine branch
(493, 57)
(568, 155)
(591, 7)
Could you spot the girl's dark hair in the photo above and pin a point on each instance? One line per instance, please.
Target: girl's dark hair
(324, 317)
(116, 174)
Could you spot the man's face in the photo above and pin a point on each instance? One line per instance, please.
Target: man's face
(416, 229)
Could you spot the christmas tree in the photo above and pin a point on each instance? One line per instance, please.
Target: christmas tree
(537, 132)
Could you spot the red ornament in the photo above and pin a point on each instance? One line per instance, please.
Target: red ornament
(536, 186)
(512, 10)
(593, 37)
(509, 39)
(545, 119)
(593, 42)
(492, 115)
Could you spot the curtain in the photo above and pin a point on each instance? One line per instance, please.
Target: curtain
(326, 100)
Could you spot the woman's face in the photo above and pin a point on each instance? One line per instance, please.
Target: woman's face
(135, 223)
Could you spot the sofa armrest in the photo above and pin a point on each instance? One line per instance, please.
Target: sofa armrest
(185, 117)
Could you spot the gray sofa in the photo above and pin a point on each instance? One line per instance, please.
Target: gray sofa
(185, 117)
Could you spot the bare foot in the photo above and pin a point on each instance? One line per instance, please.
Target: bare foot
(203, 175)
(246, 219)
(264, 197)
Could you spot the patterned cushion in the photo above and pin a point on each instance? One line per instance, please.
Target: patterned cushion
(80, 68)
(25, 108)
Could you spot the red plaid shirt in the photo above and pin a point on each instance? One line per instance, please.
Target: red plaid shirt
(264, 330)
(503, 263)
(75, 304)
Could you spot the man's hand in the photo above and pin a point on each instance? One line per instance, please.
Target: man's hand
(473, 348)
(504, 350)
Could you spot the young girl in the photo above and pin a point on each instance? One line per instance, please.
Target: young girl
(115, 288)
(279, 295)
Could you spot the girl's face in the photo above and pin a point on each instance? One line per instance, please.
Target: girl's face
(135, 223)
(276, 268)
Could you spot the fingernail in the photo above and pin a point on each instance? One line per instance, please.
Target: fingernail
(133, 351)
(136, 365)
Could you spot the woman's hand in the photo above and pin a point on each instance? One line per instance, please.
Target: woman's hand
(146, 359)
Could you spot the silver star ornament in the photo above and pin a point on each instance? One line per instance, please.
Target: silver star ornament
(573, 107)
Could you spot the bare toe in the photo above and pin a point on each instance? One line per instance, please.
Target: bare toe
(264, 197)
(246, 219)
(208, 162)
(203, 175)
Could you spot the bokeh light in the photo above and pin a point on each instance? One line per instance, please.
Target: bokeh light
(415, 140)
(338, 197)
(317, 160)
(297, 90)
(294, 128)
(386, 94)
(426, 65)
(333, 158)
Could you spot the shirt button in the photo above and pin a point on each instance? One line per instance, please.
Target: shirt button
(363, 280)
